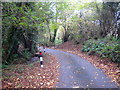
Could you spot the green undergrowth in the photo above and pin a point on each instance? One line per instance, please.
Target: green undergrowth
(105, 48)
(58, 41)
(16, 59)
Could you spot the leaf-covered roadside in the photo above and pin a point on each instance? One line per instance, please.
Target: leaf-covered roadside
(31, 75)
(110, 68)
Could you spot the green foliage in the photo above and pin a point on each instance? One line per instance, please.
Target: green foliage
(26, 23)
(104, 48)
(4, 66)
(26, 54)
(18, 27)
(53, 26)
(58, 41)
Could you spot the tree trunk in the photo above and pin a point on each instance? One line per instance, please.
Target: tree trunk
(66, 36)
(118, 32)
(49, 31)
(55, 33)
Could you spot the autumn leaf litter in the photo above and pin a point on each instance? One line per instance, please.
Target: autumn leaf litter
(32, 75)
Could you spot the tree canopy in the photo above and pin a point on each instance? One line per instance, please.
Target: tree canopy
(26, 24)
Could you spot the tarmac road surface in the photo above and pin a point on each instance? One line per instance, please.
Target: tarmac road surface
(76, 72)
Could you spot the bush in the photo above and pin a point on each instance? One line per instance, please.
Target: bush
(26, 54)
(58, 41)
(103, 48)
(4, 66)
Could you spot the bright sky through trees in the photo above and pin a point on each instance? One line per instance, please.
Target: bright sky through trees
(86, 1)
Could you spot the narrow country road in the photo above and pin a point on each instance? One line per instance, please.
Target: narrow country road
(76, 72)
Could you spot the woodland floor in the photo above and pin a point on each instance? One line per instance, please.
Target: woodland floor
(110, 68)
(31, 75)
